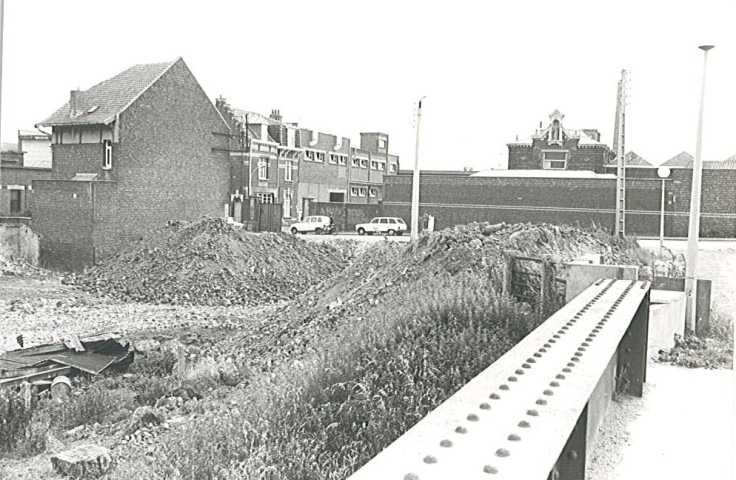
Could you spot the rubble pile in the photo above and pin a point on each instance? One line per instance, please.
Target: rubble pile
(210, 262)
(386, 268)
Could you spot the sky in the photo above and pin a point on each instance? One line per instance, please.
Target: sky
(490, 70)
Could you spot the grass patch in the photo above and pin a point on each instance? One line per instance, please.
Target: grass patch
(375, 377)
(713, 349)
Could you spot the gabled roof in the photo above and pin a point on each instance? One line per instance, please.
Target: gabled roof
(631, 159)
(111, 97)
(682, 159)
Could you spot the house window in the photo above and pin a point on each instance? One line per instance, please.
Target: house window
(333, 159)
(373, 192)
(356, 162)
(287, 171)
(342, 159)
(263, 169)
(320, 157)
(309, 155)
(107, 155)
(555, 160)
(363, 163)
(264, 197)
(392, 168)
(381, 143)
(337, 197)
(288, 195)
(362, 191)
(16, 197)
(374, 165)
(354, 191)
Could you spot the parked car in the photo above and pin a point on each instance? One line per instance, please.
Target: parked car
(385, 225)
(314, 223)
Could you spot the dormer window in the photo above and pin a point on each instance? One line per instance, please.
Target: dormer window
(107, 155)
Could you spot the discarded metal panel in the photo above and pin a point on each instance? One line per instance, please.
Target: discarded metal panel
(526, 415)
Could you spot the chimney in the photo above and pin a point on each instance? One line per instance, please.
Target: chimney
(76, 103)
(276, 115)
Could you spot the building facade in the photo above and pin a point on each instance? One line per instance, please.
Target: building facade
(128, 155)
(20, 164)
(558, 148)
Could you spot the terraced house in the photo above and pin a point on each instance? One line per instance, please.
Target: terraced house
(142, 148)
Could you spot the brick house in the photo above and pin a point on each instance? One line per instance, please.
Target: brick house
(298, 166)
(20, 164)
(557, 148)
(131, 153)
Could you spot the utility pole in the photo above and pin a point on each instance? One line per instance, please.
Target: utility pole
(620, 149)
(694, 225)
(2, 29)
(247, 147)
(415, 182)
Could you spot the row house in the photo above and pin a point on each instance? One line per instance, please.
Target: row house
(284, 163)
(20, 164)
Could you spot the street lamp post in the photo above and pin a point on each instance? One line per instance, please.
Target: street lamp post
(663, 173)
(694, 225)
(415, 181)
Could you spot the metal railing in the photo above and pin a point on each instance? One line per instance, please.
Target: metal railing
(533, 412)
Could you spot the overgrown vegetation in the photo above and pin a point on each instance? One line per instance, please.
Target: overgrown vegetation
(713, 349)
(323, 416)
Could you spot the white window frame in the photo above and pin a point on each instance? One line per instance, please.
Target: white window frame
(381, 143)
(392, 168)
(342, 160)
(547, 164)
(309, 155)
(356, 162)
(373, 192)
(107, 155)
(354, 191)
(287, 170)
(362, 191)
(262, 169)
(363, 163)
(319, 157)
(333, 159)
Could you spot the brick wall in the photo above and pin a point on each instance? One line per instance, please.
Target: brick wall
(62, 218)
(12, 175)
(70, 159)
(593, 158)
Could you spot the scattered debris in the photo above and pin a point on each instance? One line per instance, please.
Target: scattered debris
(210, 262)
(40, 363)
(83, 461)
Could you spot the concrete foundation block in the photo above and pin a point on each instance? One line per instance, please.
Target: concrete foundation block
(83, 461)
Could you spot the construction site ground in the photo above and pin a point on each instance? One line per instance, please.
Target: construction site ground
(639, 434)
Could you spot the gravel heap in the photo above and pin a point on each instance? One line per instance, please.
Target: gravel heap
(210, 262)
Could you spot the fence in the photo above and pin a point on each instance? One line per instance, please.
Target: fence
(533, 412)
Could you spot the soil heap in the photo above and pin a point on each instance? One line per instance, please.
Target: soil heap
(211, 262)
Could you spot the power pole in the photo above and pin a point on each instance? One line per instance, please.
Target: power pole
(415, 182)
(620, 149)
(694, 225)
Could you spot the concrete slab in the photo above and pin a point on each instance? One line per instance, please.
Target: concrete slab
(666, 318)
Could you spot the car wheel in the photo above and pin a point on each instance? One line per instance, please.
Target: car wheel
(318, 230)
(391, 232)
(361, 231)
(294, 231)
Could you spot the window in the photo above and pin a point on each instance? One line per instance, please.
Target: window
(384, 220)
(374, 165)
(15, 201)
(356, 162)
(264, 197)
(392, 220)
(263, 169)
(320, 157)
(363, 163)
(342, 159)
(353, 191)
(309, 155)
(287, 171)
(381, 143)
(333, 159)
(555, 160)
(373, 192)
(361, 191)
(107, 155)
(392, 168)
(337, 197)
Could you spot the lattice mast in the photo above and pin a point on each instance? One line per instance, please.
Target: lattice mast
(619, 136)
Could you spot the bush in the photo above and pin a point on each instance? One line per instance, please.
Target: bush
(369, 382)
(15, 420)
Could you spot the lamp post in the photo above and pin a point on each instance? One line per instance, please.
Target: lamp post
(415, 181)
(694, 225)
(663, 173)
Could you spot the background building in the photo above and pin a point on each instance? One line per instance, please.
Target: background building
(20, 164)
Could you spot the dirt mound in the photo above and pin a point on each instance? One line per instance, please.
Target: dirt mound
(210, 262)
(386, 268)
